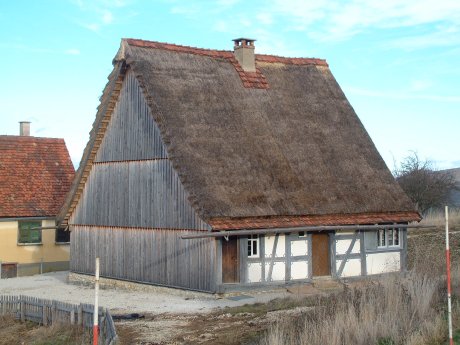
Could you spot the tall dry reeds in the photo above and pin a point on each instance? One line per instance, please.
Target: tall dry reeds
(393, 311)
(437, 218)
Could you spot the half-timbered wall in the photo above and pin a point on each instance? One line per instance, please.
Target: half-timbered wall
(282, 257)
(144, 255)
(288, 257)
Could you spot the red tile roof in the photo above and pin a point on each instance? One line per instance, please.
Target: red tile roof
(313, 220)
(35, 175)
(253, 80)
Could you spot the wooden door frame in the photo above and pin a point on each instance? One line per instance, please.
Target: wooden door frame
(220, 270)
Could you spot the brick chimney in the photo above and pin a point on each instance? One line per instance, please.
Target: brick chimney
(244, 53)
(24, 128)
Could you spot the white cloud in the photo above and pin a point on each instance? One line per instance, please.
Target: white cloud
(336, 20)
(72, 51)
(420, 85)
(400, 95)
(91, 26)
(221, 26)
(107, 17)
(264, 18)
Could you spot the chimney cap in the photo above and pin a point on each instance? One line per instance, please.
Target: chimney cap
(245, 39)
(244, 42)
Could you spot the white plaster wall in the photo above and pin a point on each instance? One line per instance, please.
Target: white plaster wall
(299, 248)
(352, 267)
(280, 248)
(254, 272)
(299, 269)
(383, 262)
(278, 273)
(341, 246)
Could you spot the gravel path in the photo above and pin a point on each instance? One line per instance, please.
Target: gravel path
(55, 286)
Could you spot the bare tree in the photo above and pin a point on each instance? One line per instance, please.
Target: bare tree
(426, 187)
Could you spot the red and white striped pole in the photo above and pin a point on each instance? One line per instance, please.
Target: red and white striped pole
(449, 303)
(96, 306)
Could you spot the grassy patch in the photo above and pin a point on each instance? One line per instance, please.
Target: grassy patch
(16, 332)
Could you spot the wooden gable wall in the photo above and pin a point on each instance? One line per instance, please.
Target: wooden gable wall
(132, 182)
(133, 208)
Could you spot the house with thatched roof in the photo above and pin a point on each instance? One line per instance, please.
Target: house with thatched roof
(35, 175)
(215, 170)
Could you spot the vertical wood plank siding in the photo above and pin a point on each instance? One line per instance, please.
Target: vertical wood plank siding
(132, 134)
(151, 256)
(133, 185)
(136, 194)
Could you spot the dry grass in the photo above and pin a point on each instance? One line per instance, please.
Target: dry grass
(437, 218)
(393, 311)
(28, 333)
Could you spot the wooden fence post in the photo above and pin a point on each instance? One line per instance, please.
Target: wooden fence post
(22, 308)
(53, 313)
(72, 316)
(80, 315)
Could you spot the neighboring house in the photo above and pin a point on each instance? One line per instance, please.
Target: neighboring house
(35, 175)
(258, 148)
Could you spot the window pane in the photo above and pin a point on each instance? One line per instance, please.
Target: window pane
(249, 247)
(62, 236)
(390, 237)
(382, 242)
(396, 237)
(26, 235)
(254, 249)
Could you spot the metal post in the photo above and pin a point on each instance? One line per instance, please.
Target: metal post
(449, 303)
(96, 306)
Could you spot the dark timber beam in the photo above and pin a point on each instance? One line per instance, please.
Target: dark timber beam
(246, 232)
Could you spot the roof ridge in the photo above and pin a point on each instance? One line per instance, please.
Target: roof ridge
(12, 136)
(223, 53)
(176, 47)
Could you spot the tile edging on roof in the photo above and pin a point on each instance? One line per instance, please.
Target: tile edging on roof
(304, 220)
(250, 80)
(223, 53)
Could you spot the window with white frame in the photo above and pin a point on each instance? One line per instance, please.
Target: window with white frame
(253, 246)
(388, 238)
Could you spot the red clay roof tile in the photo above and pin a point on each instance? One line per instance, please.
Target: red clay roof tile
(35, 175)
(295, 221)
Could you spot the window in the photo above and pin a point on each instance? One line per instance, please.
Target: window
(62, 236)
(28, 234)
(253, 246)
(302, 234)
(382, 238)
(388, 238)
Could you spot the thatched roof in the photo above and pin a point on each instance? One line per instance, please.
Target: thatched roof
(283, 141)
(35, 176)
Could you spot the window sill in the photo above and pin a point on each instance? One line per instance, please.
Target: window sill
(61, 243)
(384, 250)
(29, 244)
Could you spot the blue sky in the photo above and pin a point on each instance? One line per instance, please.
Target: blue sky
(398, 61)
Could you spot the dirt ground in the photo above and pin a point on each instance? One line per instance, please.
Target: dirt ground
(169, 316)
